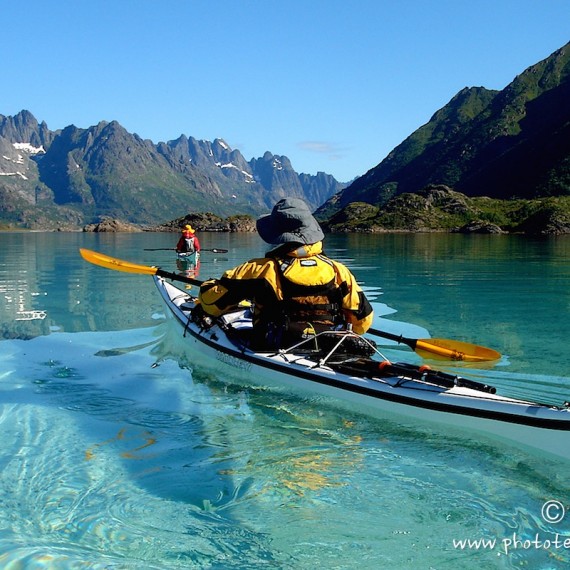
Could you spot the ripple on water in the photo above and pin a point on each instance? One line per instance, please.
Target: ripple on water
(109, 462)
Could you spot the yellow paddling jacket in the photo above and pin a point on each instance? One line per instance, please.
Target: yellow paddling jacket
(292, 292)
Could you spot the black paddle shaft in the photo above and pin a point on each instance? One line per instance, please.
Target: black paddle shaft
(213, 249)
(177, 277)
(371, 368)
(411, 342)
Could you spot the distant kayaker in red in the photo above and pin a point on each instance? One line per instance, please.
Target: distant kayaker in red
(188, 242)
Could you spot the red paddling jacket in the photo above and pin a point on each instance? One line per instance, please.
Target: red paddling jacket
(188, 243)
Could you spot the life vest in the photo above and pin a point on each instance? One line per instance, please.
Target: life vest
(311, 299)
(188, 242)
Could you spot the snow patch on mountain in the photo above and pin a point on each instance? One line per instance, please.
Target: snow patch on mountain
(27, 147)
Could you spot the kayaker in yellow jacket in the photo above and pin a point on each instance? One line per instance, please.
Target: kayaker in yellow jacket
(295, 289)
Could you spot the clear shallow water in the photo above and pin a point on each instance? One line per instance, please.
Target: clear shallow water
(118, 452)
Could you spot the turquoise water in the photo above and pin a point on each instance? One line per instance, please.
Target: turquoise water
(119, 451)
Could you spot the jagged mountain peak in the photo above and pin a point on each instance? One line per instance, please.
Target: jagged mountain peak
(24, 128)
(222, 143)
(104, 170)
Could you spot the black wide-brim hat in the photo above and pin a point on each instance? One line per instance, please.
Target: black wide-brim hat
(290, 221)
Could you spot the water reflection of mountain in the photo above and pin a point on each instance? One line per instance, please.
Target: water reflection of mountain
(21, 315)
(22, 307)
(45, 287)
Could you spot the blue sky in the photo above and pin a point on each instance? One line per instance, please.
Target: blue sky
(334, 85)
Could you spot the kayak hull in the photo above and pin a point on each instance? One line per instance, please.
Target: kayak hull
(533, 426)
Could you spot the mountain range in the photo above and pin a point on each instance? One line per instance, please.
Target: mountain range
(71, 177)
(504, 145)
(513, 143)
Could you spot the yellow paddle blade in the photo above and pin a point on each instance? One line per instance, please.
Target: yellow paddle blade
(454, 350)
(116, 264)
(442, 348)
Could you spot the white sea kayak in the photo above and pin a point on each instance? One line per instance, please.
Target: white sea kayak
(370, 385)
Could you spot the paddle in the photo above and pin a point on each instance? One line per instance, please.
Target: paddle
(213, 250)
(440, 347)
(126, 266)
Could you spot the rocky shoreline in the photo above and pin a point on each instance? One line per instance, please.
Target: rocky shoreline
(436, 209)
(205, 222)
